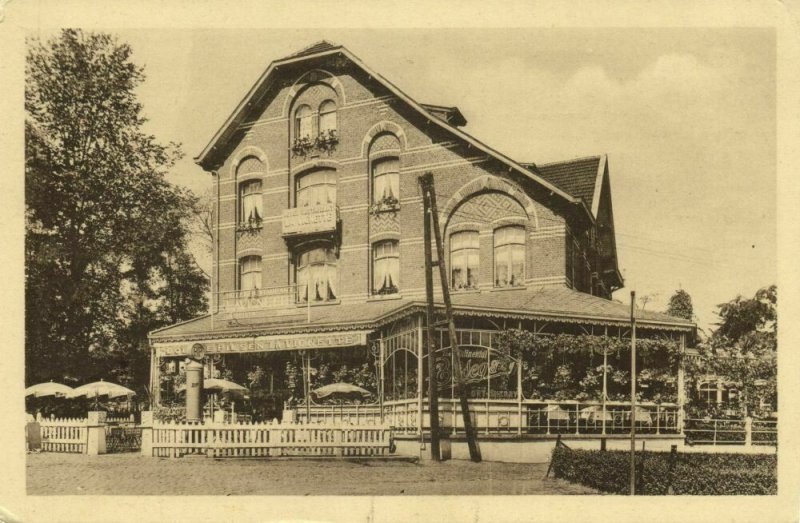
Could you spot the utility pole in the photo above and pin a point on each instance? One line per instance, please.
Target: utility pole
(429, 199)
(633, 394)
(433, 388)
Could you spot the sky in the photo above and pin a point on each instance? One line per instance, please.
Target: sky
(687, 117)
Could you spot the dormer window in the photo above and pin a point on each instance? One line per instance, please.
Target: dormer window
(250, 201)
(303, 122)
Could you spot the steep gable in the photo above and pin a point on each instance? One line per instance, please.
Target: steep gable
(210, 156)
(579, 177)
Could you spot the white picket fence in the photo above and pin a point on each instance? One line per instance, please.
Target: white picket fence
(64, 435)
(265, 439)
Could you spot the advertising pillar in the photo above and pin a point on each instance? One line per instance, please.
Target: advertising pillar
(194, 386)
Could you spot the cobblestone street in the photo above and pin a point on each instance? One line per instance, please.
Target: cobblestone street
(131, 474)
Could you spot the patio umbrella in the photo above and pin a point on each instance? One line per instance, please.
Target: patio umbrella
(100, 388)
(595, 413)
(217, 385)
(48, 389)
(340, 389)
(554, 412)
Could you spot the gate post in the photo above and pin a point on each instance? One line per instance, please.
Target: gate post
(147, 433)
(96, 433)
(748, 431)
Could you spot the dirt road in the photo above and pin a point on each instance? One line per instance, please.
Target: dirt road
(132, 474)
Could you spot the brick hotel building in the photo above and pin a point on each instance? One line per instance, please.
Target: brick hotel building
(318, 251)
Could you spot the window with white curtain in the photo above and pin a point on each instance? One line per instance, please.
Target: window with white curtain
(464, 259)
(316, 188)
(327, 116)
(316, 275)
(386, 267)
(303, 122)
(385, 180)
(509, 256)
(250, 273)
(250, 202)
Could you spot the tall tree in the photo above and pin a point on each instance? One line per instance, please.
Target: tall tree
(680, 305)
(104, 230)
(743, 350)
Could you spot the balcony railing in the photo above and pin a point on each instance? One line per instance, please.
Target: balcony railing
(313, 219)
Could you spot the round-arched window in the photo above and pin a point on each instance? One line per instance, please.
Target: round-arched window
(327, 117)
(315, 188)
(303, 122)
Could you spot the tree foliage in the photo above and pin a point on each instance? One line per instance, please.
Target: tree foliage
(105, 231)
(680, 305)
(743, 350)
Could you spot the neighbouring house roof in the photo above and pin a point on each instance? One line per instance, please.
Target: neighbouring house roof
(581, 177)
(547, 303)
(324, 48)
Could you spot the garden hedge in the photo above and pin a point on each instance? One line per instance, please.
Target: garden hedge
(691, 473)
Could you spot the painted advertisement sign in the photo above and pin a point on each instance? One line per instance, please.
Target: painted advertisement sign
(269, 343)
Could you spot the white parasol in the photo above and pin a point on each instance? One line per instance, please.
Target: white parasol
(48, 389)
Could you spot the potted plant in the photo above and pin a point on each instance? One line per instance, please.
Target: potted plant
(327, 141)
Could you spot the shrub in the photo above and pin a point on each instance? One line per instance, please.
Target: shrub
(693, 474)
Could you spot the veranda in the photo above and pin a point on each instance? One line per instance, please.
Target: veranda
(526, 378)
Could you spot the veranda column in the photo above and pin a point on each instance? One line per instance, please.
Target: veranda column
(155, 378)
(681, 384)
(419, 377)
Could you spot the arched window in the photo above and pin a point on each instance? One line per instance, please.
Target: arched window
(464, 259)
(316, 275)
(386, 267)
(250, 201)
(327, 117)
(386, 180)
(316, 188)
(509, 256)
(250, 273)
(303, 122)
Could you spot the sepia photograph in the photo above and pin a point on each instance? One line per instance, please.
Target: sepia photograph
(399, 262)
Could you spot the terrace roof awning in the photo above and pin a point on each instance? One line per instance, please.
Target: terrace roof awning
(543, 303)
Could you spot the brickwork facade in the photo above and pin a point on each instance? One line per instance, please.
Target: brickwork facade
(475, 192)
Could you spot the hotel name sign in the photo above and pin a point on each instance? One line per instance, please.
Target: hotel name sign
(310, 219)
(268, 343)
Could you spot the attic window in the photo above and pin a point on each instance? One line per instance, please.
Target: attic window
(303, 122)
(327, 117)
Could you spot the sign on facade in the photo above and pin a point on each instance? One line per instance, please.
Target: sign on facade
(311, 219)
(269, 343)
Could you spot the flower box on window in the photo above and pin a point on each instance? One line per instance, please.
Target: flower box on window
(388, 289)
(302, 146)
(327, 141)
(386, 204)
(252, 224)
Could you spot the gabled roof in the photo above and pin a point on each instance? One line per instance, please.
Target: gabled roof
(316, 47)
(324, 48)
(582, 177)
(548, 303)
